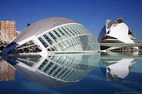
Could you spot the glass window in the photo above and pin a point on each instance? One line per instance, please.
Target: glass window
(61, 32)
(70, 27)
(84, 31)
(43, 64)
(29, 60)
(77, 29)
(54, 48)
(66, 32)
(60, 46)
(26, 44)
(64, 76)
(63, 43)
(62, 73)
(70, 31)
(52, 36)
(71, 73)
(80, 30)
(56, 33)
(49, 65)
(26, 62)
(48, 39)
(57, 71)
(74, 40)
(59, 59)
(68, 42)
(74, 28)
(54, 68)
(64, 60)
(27, 47)
(42, 41)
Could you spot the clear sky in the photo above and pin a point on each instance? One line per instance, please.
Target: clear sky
(90, 13)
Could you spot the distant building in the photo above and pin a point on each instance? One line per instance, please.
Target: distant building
(7, 31)
(7, 72)
(18, 33)
(116, 32)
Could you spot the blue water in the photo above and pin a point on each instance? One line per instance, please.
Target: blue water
(95, 82)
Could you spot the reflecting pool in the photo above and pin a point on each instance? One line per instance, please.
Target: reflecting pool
(105, 73)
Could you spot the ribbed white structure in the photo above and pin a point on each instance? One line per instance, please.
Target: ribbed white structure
(54, 35)
(115, 32)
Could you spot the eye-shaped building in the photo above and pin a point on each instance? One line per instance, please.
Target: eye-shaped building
(53, 35)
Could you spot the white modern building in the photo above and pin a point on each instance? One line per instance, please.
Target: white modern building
(115, 32)
(53, 35)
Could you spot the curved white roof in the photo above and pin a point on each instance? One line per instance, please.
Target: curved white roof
(117, 29)
(42, 26)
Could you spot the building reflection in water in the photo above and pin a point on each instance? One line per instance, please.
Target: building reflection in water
(7, 71)
(55, 71)
(116, 66)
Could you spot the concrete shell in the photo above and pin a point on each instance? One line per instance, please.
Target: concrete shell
(118, 30)
(42, 26)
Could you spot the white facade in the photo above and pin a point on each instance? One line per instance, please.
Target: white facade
(115, 32)
(53, 35)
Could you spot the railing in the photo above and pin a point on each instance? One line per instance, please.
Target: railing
(121, 44)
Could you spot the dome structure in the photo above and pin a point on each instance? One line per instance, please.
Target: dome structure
(53, 35)
(42, 26)
(116, 32)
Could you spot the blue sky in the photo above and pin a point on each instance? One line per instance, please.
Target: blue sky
(90, 13)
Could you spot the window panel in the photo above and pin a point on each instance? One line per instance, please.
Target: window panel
(78, 30)
(74, 27)
(48, 67)
(70, 31)
(45, 62)
(53, 36)
(43, 42)
(62, 73)
(53, 69)
(68, 41)
(57, 33)
(61, 31)
(57, 72)
(48, 39)
(66, 32)
(70, 27)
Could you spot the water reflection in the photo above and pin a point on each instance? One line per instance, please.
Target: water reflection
(7, 72)
(117, 65)
(55, 70)
(58, 70)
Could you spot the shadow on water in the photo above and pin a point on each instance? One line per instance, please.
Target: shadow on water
(54, 71)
